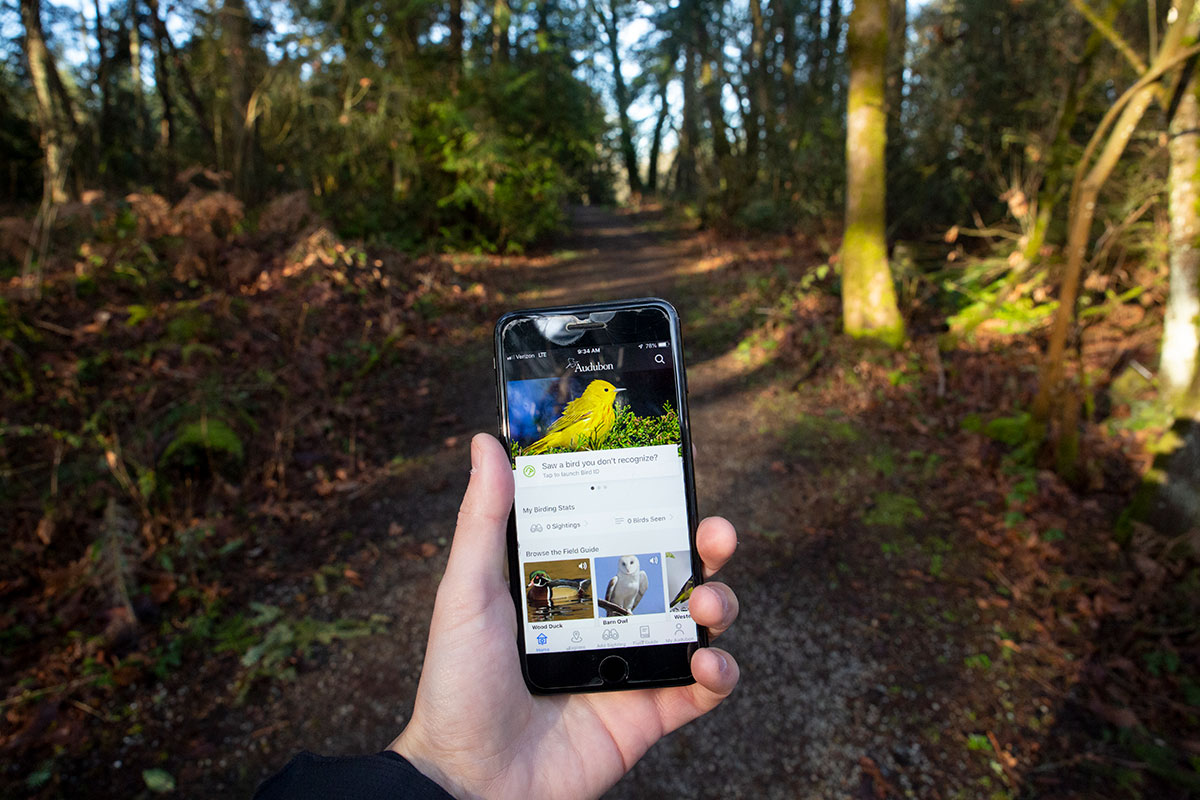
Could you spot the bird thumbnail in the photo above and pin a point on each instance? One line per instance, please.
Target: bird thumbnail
(585, 422)
(559, 590)
(684, 594)
(629, 585)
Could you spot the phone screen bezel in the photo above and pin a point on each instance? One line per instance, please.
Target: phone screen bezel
(650, 665)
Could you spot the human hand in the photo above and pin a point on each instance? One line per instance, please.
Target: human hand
(478, 732)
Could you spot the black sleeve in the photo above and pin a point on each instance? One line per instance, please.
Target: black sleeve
(383, 775)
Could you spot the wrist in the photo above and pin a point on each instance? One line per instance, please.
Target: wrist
(412, 747)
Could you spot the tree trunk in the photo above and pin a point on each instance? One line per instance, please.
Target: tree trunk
(102, 72)
(608, 18)
(781, 14)
(456, 40)
(162, 80)
(235, 29)
(711, 88)
(868, 297)
(1084, 195)
(758, 121)
(685, 160)
(135, 69)
(896, 51)
(1181, 323)
(656, 142)
(501, 20)
(56, 116)
(163, 37)
(833, 37)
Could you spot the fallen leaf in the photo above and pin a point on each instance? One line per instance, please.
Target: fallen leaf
(45, 530)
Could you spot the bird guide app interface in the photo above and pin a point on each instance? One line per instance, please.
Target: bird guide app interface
(601, 509)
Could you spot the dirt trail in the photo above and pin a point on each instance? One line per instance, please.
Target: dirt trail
(813, 699)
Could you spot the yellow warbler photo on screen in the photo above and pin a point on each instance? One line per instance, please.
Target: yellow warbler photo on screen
(563, 408)
(585, 421)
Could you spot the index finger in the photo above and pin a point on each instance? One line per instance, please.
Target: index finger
(716, 540)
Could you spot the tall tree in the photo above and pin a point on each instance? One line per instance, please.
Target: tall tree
(660, 123)
(55, 111)
(235, 33)
(686, 182)
(758, 121)
(501, 38)
(609, 13)
(868, 296)
(1178, 373)
(163, 38)
(456, 43)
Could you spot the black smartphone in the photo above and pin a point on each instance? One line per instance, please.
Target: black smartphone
(601, 539)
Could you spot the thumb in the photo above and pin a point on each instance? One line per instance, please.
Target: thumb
(477, 554)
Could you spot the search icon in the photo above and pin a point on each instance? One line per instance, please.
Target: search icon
(658, 359)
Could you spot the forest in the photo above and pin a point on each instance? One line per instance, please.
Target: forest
(938, 266)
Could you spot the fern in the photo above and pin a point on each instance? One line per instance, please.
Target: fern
(115, 555)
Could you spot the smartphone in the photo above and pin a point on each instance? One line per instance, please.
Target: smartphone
(601, 538)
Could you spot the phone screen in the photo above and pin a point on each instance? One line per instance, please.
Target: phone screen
(601, 506)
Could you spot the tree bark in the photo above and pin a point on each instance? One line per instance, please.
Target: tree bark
(685, 160)
(868, 296)
(1181, 323)
(55, 113)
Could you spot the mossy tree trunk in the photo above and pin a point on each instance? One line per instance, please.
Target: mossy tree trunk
(868, 296)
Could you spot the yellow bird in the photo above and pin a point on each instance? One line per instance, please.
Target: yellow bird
(584, 422)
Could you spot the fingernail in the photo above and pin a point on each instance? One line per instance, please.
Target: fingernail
(474, 454)
(722, 663)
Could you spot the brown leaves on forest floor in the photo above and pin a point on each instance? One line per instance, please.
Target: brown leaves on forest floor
(217, 381)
